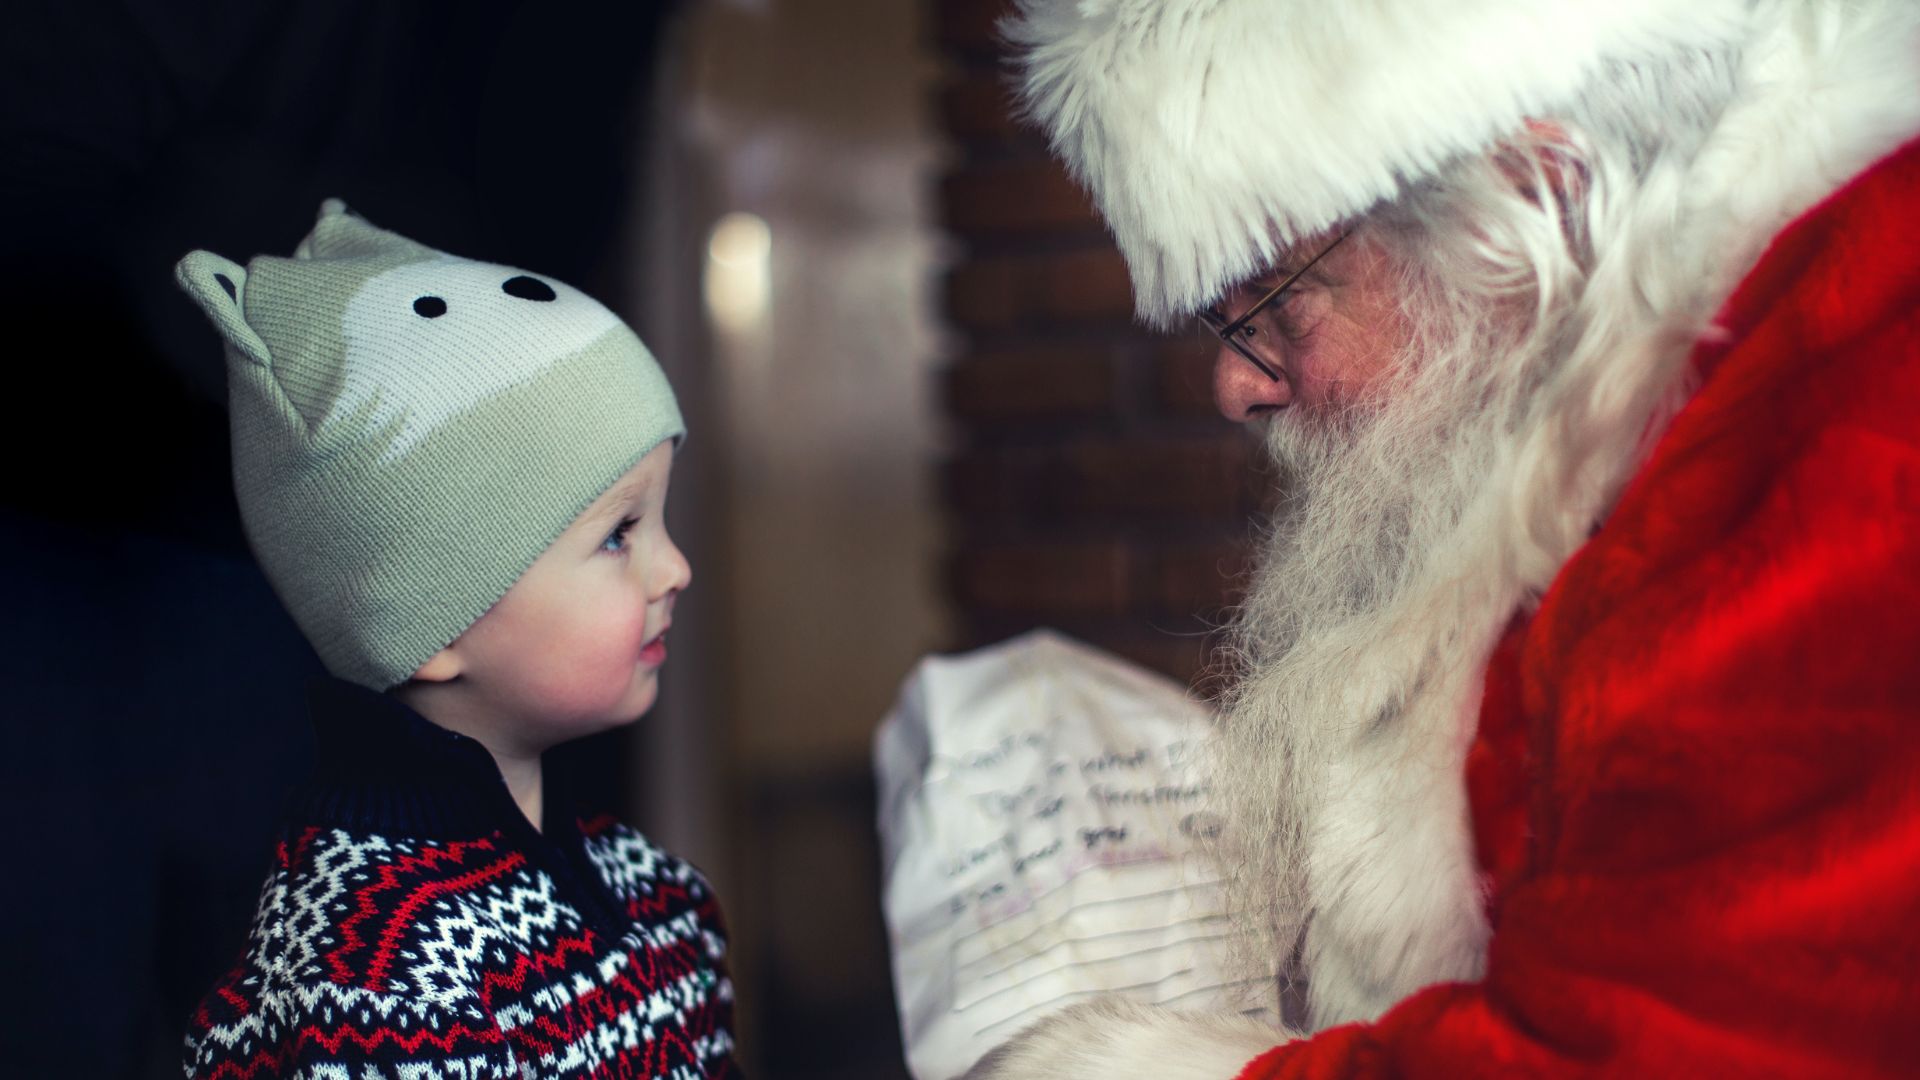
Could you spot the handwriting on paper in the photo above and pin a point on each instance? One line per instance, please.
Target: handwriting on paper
(1047, 845)
(1062, 792)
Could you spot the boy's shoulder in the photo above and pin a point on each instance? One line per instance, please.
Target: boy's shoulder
(360, 909)
(394, 940)
(355, 944)
(650, 880)
(418, 916)
(426, 917)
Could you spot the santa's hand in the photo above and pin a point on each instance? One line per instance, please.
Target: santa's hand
(1114, 1039)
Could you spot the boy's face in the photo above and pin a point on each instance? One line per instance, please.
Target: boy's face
(575, 646)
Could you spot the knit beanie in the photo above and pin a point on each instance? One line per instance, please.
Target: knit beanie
(411, 430)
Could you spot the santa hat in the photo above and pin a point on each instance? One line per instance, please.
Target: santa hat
(1213, 134)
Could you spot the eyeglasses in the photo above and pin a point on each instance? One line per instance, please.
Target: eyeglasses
(1241, 331)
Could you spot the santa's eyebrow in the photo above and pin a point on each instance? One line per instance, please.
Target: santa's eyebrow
(1228, 331)
(1280, 269)
(1305, 262)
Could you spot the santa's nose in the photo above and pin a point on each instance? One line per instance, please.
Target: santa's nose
(1243, 392)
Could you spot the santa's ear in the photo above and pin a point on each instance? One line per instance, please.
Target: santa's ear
(219, 286)
(1544, 164)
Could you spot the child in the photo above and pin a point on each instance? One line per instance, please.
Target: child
(453, 473)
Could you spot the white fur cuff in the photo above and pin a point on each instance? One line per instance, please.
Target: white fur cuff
(1113, 1039)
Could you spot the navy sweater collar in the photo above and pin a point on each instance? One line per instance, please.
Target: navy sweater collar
(382, 767)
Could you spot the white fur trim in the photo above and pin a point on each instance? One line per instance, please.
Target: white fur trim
(1214, 133)
(1110, 1038)
(1397, 894)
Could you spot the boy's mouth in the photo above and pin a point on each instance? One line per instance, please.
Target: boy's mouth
(654, 652)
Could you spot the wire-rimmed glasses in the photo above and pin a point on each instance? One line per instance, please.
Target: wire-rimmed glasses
(1239, 332)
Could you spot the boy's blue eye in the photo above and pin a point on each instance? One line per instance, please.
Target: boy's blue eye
(617, 539)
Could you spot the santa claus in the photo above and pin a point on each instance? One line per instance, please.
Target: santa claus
(1577, 719)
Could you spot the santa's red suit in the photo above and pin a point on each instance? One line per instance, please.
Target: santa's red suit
(1696, 781)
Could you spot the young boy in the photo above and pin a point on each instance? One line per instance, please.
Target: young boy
(454, 474)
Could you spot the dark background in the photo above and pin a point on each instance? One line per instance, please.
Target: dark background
(1075, 475)
(152, 707)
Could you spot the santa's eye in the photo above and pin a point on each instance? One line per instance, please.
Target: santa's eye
(1290, 315)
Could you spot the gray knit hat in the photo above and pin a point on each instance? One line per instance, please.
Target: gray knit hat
(412, 429)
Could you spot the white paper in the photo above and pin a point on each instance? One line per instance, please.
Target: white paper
(1041, 823)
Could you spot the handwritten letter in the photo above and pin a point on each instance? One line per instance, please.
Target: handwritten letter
(1042, 820)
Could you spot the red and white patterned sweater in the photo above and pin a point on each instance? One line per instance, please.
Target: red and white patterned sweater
(415, 927)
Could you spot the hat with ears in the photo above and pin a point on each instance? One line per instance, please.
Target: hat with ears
(412, 429)
(1213, 134)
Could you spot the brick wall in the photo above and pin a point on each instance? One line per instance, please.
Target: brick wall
(1091, 486)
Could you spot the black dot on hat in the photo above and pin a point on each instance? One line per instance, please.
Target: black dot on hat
(430, 307)
(527, 288)
(227, 284)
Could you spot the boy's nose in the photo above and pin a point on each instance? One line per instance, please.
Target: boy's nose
(1242, 392)
(675, 573)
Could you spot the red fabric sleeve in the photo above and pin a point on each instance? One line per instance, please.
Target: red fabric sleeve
(1722, 694)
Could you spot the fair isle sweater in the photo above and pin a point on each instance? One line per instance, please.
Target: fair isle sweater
(414, 926)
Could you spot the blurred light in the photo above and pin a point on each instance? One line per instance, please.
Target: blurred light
(736, 274)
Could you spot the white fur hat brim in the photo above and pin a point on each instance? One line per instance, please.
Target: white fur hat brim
(1215, 133)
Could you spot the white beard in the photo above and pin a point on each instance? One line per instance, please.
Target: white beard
(1362, 644)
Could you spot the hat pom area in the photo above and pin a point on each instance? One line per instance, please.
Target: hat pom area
(1214, 134)
(341, 233)
(219, 285)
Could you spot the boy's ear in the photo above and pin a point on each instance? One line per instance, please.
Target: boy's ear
(219, 286)
(442, 666)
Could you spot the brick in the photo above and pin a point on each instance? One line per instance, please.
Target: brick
(979, 106)
(1181, 659)
(1086, 285)
(1183, 376)
(1053, 580)
(1025, 484)
(970, 25)
(984, 293)
(1072, 286)
(1200, 578)
(1212, 477)
(985, 487)
(1017, 198)
(1096, 490)
(1191, 657)
(1031, 384)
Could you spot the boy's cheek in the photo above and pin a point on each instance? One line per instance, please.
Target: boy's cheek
(593, 668)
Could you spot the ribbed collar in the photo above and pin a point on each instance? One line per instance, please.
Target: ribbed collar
(382, 767)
